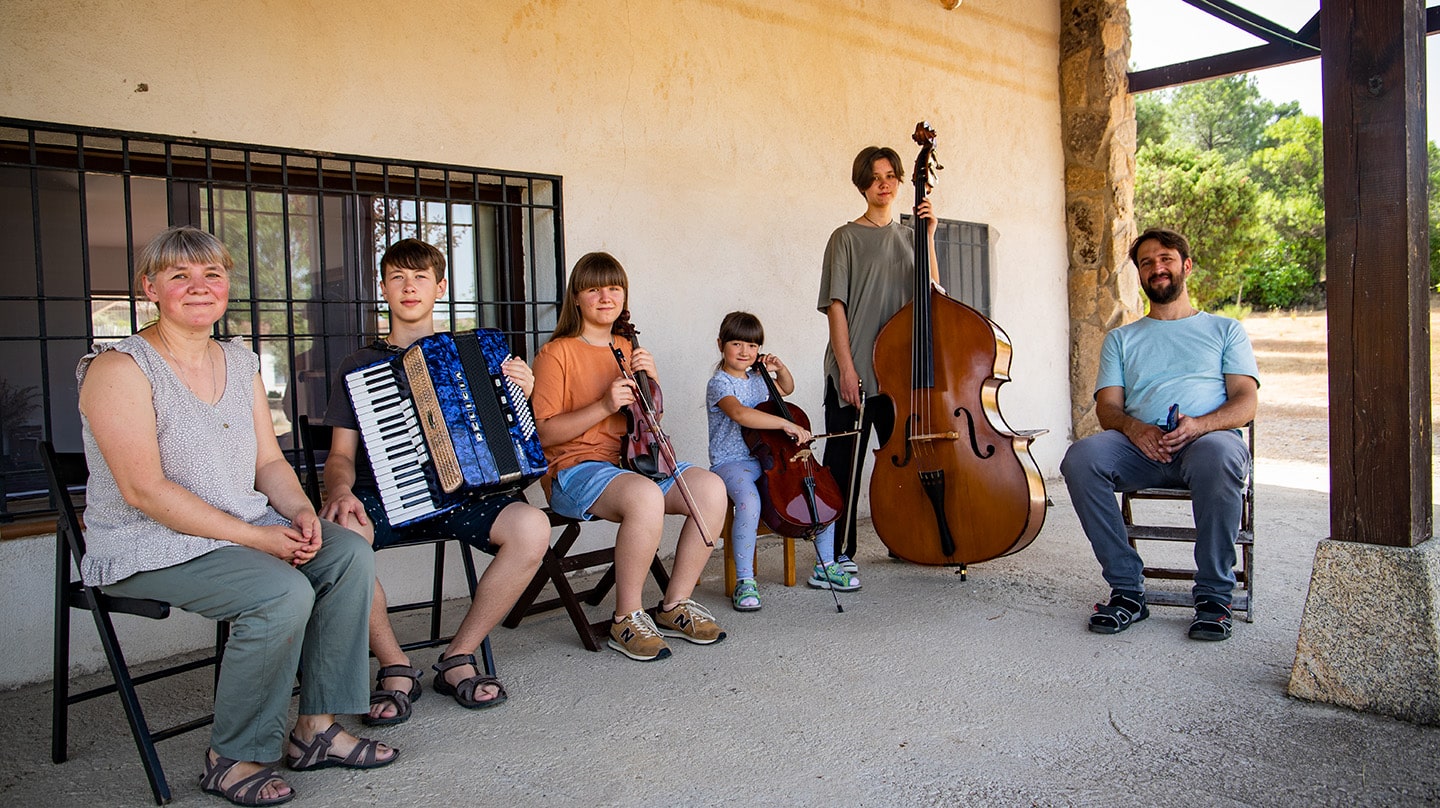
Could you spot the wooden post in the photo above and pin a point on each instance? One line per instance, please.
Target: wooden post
(1373, 74)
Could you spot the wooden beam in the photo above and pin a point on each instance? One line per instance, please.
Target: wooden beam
(1217, 66)
(1245, 60)
(1253, 24)
(1377, 267)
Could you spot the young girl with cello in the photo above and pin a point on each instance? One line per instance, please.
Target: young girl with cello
(730, 400)
(580, 402)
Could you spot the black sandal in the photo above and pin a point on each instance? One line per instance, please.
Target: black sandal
(1212, 620)
(464, 692)
(399, 698)
(246, 790)
(1123, 609)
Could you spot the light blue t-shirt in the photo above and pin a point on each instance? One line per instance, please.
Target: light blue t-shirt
(1164, 362)
(726, 445)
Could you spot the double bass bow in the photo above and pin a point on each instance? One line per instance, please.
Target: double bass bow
(798, 495)
(646, 449)
(953, 484)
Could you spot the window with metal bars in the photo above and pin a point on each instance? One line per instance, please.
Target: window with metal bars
(306, 230)
(963, 252)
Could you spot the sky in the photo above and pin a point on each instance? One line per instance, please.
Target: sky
(1154, 43)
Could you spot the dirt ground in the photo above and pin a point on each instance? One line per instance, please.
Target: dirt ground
(1290, 349)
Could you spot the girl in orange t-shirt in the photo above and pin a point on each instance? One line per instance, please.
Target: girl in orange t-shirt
(579, 401)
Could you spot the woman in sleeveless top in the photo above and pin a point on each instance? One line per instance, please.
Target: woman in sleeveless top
(191, 501)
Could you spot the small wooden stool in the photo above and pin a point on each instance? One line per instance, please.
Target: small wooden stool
(761, 530)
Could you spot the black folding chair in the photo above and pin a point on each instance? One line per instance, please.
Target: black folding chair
(315, 438)
(67, 471)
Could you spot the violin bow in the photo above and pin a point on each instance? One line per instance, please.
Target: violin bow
(662, 440)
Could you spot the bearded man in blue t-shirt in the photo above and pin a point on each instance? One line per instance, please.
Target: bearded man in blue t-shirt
(1173, 390)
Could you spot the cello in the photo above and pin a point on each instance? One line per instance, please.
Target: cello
(953, 484)
(798, 496)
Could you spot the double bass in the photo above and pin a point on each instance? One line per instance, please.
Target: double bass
(953, 484)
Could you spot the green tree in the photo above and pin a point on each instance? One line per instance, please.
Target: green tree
(1152, 118)
(1289, 170)
(1227, 115)
(1213, 202)
(1433, 152)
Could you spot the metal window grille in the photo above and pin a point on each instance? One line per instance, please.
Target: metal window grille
(306, 230)
(963, 252)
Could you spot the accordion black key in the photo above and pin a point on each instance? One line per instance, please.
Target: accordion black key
(441, 422)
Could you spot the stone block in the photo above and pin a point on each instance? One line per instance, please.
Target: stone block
(1369, 637)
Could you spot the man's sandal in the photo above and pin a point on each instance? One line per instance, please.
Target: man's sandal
(400, 698)
(316, 754)
(1212, 620)
(464, 692)
(1123, 609)
(246, 790)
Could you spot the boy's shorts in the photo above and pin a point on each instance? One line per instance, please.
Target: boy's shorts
(470, 522)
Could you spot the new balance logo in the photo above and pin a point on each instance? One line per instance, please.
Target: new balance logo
(681, 621)
(627, 635)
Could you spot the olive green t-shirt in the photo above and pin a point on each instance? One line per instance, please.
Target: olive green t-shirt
(872, 271)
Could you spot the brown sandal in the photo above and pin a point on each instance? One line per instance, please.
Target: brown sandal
(464, 692)
(316, 754)
(246, 790)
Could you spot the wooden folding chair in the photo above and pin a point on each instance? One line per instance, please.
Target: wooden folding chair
(314, 439)
(555, 568)
(1243, 599)
(67, 471)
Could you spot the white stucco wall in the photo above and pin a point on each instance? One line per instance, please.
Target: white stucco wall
(706, 144)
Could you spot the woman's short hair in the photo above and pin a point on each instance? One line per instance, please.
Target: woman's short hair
(182, 244)
(592, 270)
(412, 253)
(1168, 239)
(742, 326)
(863, 172)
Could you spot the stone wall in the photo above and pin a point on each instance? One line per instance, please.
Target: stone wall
(1098, 134)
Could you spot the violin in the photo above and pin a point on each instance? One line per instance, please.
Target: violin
(953, 484)
(640, 447)
(798, 496)
(646, 449)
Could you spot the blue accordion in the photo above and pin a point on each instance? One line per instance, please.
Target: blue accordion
(442, 422)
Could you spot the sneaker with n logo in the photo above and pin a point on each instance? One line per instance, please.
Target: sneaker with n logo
(688, 620)
(635, 637)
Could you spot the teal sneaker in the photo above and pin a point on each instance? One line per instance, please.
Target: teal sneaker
(746, 597)
(833, 576)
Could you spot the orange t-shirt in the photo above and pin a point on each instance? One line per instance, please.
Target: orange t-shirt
(570, 374)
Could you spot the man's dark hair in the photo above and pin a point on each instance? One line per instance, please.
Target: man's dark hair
(1167, 238)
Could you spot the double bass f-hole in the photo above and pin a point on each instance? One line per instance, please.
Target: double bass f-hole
(910, 439)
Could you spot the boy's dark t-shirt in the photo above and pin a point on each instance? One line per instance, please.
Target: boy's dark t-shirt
(340, 412)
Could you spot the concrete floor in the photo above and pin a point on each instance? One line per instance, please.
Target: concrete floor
(926, 691)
